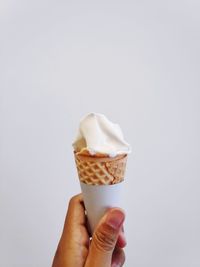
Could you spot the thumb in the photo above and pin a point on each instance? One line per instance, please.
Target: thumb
(104, 239)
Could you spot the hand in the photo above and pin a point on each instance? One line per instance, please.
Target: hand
(104, 250)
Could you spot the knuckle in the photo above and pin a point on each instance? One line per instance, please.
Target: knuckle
(123, 258)
(59, 252)
(104, 239)
(74, 199)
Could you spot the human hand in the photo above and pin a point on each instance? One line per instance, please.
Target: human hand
(75, 248)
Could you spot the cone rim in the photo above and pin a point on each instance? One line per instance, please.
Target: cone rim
(101, 184)
(99, 158)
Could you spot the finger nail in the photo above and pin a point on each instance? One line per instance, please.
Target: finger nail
(115, 265)
(115, 218)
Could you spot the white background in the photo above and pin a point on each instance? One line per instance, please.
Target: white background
(137, 62)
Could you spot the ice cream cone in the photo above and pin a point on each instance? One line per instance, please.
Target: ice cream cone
(101, 179)
(100, 170)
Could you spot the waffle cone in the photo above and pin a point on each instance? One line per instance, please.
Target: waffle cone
(100, 170)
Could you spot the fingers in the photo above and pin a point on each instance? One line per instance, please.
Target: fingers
(118, 257)
(74, 227)
(105, 238)
(76, 211)
(74, 243)
(121, 242)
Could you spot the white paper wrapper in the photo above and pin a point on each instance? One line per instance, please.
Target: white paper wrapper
(99, 198)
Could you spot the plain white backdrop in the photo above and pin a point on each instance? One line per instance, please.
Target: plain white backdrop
(138, 62)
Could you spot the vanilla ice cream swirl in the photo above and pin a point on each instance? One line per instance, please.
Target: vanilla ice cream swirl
(98, 135)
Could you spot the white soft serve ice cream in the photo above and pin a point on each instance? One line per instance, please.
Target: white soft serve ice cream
(98, 135)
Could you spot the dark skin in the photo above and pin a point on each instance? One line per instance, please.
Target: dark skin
(76, 248)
